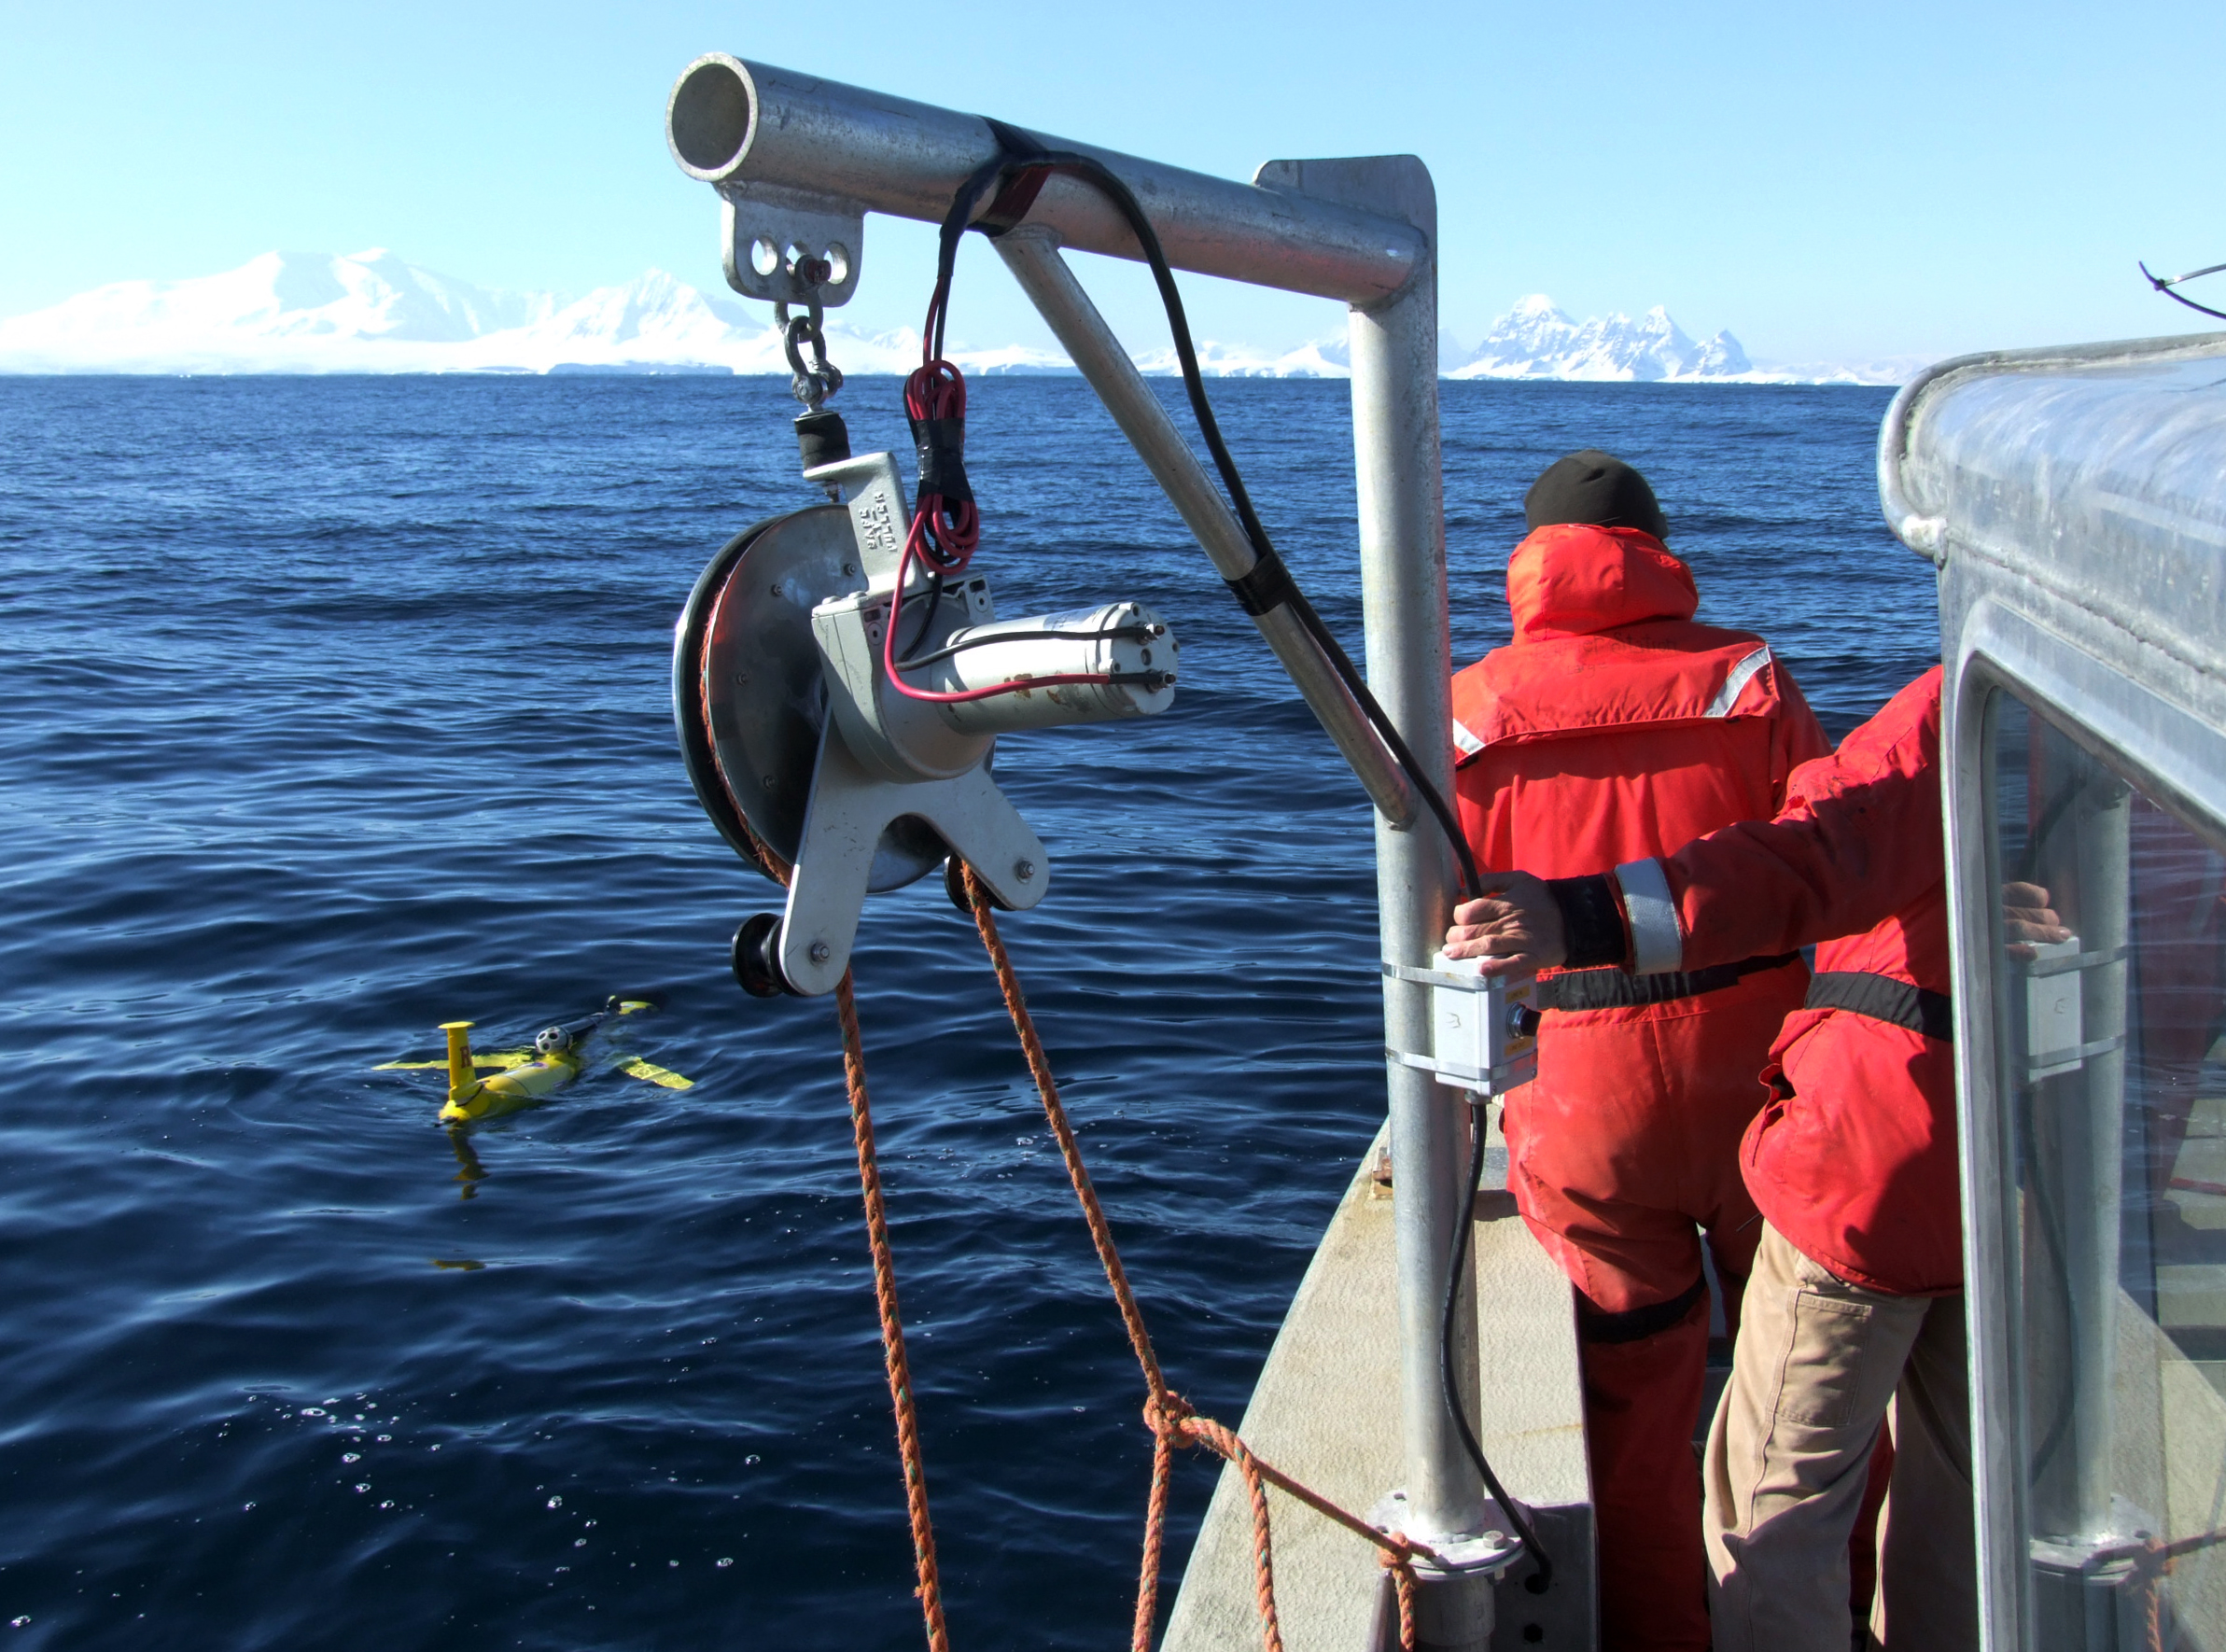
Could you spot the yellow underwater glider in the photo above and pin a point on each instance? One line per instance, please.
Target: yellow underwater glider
(521, 1078)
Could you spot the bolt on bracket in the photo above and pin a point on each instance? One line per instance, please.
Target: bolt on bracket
(791, 247)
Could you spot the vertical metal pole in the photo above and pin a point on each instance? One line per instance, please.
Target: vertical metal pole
(1403, 586)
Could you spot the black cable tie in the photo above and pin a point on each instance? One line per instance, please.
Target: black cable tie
(941, 444)
(1013, 201)
(1265, 587)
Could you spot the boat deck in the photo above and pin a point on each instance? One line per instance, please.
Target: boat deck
(1326, 1411)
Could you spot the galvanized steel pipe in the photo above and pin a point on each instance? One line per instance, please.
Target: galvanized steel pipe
(1403, 576)
(750, 125)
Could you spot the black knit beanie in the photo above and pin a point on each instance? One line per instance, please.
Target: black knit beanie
(1595, 488)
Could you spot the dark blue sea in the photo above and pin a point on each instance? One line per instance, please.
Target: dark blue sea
(332, 709)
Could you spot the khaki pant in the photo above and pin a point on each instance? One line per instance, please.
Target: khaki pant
(1819, 1365)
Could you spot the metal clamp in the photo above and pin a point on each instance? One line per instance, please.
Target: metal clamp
(1483, 1028)
(1489, 1550)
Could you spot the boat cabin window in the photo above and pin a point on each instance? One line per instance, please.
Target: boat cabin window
(2113, 1071)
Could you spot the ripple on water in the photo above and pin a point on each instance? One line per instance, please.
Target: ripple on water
(336, 708)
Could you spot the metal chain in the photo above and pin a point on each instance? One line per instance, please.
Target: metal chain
(813, 384)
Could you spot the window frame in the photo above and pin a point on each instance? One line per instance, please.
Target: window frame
(2180, 762)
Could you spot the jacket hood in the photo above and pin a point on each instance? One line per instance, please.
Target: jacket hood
(1572, 578)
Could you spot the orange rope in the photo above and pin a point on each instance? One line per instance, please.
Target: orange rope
(892, 1326)
(929, 1588)
(1401, 1567)
(1168, 1415)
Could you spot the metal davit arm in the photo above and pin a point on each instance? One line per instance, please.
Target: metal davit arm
(791, 148)
(749, 127)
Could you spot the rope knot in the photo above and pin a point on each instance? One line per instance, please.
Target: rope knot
(1399, 1561)
(1166, 1414)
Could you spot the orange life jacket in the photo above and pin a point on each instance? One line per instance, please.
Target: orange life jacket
(1614, 727)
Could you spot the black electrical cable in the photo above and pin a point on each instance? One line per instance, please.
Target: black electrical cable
(1464, 1238)
(2164, 283)
(1023, 154)
(927, 619)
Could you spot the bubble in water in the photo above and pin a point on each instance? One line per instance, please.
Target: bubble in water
(18, 1622)
(312, 1410)
(672, 1562)
(579, 1543)
(246, 1506)
(750, 1460)
(357, 1456)
(556, 1503)
(384, 1437)
(389, 1503)
(365, 1487)
(725, 1561)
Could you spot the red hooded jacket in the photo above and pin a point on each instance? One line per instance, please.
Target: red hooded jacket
(1614, 727)
(1855, 1158)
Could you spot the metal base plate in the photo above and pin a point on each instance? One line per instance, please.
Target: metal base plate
(748, 692)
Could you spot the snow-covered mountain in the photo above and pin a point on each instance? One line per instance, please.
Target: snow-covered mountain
(370, 312)
(1536, 340)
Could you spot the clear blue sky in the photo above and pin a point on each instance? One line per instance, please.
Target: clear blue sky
(1828, 181)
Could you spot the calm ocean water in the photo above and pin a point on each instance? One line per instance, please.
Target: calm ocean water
(336, 708)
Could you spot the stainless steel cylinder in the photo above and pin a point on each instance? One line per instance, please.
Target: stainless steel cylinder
(1122, 638)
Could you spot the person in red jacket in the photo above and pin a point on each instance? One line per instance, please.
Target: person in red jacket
(1614, 727)
(1853, 1312)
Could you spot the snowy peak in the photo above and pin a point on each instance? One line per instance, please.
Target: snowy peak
(1537, 340)
(279, 312)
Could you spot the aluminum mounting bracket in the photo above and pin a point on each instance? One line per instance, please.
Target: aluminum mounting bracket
(849, 810)
(768, 231)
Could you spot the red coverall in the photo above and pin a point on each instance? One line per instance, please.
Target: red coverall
(1614, 728)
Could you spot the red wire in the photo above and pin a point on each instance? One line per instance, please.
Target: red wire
(952, 697)
(944, 535)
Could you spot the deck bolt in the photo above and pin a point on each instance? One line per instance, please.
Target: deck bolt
(1023, 870)
(820, 952)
